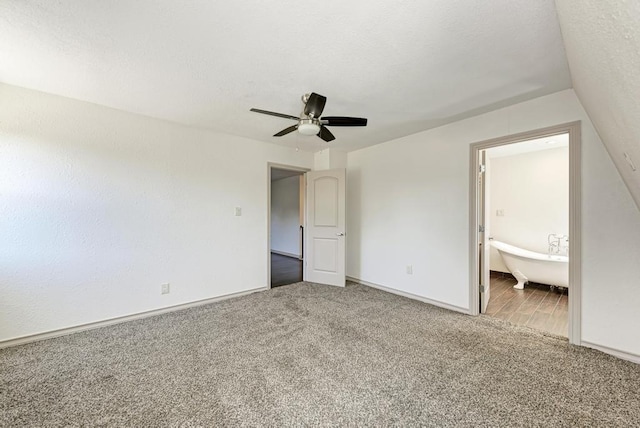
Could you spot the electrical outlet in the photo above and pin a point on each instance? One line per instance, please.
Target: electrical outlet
(409, 270)
(500, 213)
(165, 289)
(238, 211)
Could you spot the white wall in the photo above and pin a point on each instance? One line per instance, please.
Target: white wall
(408, 203)
(285, 215)
(532, 191)
(329, 159)
(100, 207)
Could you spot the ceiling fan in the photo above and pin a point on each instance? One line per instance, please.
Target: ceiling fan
(310, 122)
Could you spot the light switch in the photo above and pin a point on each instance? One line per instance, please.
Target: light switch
(500, 213)
(238, 211)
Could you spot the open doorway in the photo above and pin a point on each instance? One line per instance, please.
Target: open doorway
(527, 223)
(286, 225)
(525, 217)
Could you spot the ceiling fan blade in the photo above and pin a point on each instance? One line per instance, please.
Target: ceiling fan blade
(271, 113)
(286, 131)
(325, 134)
(343, 121)
(315, 105)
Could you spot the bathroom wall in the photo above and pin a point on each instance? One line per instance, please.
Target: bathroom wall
(528, 199)
(285, 216)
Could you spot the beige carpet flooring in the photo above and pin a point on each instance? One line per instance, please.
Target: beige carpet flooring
(313, 355)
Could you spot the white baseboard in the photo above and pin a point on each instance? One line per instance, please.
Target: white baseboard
(284, 253)
(411, 296)
(629, 356)
(117, 320)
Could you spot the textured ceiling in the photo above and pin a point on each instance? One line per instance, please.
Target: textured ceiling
(406, 65)
(603, 48)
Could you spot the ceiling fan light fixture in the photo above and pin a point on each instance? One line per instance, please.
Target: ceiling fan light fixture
(311, 122)
(308, 127)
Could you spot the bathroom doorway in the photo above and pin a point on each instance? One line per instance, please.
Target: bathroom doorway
(525, 215)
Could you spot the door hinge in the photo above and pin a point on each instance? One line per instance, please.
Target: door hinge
(482, 288)
(483, 168)
(481, 228)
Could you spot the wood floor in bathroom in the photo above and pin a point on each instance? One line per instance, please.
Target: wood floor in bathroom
(536, 306)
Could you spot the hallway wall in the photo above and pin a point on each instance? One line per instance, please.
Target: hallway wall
(285, 216)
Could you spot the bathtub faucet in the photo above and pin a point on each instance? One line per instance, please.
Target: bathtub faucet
(558, 244)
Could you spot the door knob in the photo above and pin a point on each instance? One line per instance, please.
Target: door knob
(340, 233)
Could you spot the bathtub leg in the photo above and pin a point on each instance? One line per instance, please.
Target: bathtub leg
(521, 279)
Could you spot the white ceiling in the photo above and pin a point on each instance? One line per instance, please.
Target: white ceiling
(406, 65)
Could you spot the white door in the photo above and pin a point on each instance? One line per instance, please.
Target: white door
(325, 238)
(483, 238)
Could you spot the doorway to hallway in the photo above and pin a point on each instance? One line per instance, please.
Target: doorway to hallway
(286, 225)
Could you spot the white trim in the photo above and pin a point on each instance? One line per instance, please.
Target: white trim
(629, 356)
(575, 217)
(410, 295)
(117, 320)
(284, 253)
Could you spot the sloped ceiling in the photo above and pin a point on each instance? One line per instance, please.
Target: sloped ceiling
(602, 40)
(406, 65)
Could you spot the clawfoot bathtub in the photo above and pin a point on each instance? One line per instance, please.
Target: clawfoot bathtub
(527, 265)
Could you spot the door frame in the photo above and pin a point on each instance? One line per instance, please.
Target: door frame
(575, 217)
(484, 253)
(302, 171)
